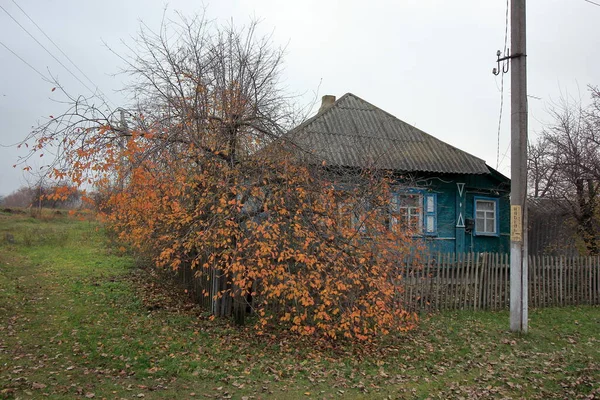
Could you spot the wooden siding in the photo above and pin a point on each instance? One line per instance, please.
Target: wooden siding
(452, 239)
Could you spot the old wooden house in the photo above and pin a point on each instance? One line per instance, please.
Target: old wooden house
(454, 200)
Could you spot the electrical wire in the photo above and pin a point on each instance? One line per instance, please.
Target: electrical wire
(62, 52)
(592, 2)
(48, 51)
(505, 154)
(502, 87)
(25, 62)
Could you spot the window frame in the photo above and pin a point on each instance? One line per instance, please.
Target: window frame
(394, 202)
(355, 213)
(496, 202)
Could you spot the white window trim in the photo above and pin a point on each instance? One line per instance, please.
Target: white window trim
(495, 211)
(430, 214)
(409, 210)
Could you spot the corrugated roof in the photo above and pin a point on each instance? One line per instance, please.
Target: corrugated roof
(355, 133)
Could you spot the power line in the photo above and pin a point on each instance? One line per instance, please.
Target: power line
(500, 120)
(505, 153)
(592, 2)
(62, 52)
(502, 88)
(25, 62)
(48, 51)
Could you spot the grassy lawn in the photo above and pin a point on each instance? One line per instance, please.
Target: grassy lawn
(78, 320)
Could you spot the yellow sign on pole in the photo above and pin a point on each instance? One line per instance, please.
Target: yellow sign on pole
(516, 223)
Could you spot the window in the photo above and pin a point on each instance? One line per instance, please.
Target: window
(407, 211)
(352, 216)
(486, 216)
(414, 210)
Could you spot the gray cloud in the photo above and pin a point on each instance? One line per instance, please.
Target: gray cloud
(427, 62)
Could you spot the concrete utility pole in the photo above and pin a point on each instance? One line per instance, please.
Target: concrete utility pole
(518, 171)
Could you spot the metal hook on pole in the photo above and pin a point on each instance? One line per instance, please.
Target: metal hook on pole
(505, 63)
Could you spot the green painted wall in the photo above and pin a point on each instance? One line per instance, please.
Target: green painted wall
(451, 237)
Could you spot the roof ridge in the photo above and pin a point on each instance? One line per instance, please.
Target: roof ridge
(310, 120)
(399, 144)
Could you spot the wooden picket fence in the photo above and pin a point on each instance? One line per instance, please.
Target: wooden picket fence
(482, 282)
(452, 282)
(201, 286)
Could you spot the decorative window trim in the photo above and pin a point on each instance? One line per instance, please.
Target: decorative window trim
(423, 209)
(427, 210)
(496, 203)
(430, 214)
(395, 205)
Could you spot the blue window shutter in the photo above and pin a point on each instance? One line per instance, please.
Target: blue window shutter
(430, 214)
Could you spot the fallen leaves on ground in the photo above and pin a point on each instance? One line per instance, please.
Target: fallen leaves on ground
(112, 332)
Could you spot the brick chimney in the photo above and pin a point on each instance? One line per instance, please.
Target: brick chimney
(326, 102)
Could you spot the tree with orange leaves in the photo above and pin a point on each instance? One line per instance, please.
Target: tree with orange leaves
(199, 174)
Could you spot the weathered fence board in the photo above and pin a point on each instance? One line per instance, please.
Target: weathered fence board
(482, 281)
(449, 281)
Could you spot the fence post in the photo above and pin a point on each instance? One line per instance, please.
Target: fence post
(581, 281)
(456, 266)
(476, 283)
(437, 281)
(589, 273)
(421, 286)
(596, 281)
(547, 282)
(457, 272)
(483, 281)
(559, 275)
(443, 281)
(532, 294)
(467, 280)
(506, 286)
(429, 283)
(409, 277)
(496, 274)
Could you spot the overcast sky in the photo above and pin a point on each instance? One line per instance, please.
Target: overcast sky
(428, 62)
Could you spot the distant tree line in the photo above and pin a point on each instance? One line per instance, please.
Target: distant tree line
(55, 195)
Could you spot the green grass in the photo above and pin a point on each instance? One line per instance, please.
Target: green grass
(78, 319)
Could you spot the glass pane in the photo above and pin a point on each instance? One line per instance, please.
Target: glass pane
(414, 222)
(403, 213)
(430, 204)
(430, 224)
(395, 203)
(480, 225)
(491, 225)
(483, 205)
(408, 200)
